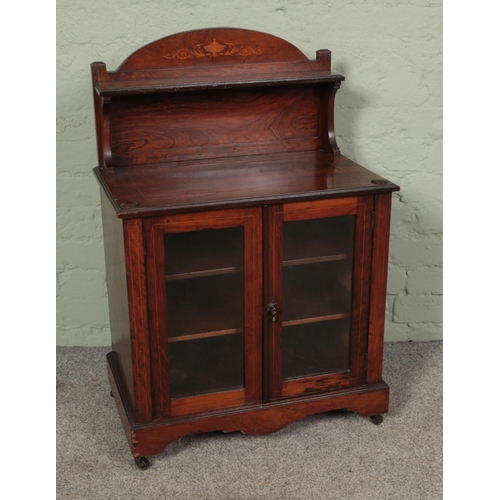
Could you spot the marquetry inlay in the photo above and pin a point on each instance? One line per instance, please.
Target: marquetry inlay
(214, 49)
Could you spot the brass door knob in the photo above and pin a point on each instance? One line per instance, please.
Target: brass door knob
(272, 309)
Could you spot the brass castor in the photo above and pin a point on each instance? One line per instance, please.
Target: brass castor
(377, 419)
(142, 463)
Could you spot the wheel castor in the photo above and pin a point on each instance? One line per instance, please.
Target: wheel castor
(111, 394)
(377, 419)
(142, 463)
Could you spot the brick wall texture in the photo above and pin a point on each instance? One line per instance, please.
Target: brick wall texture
(388, 119)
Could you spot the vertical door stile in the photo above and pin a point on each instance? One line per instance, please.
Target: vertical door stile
(253, 305)
(136, 284)
(273, 256)
(155, 271)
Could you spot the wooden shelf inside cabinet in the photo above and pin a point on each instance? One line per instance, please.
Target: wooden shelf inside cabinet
(316, 259)
(212, 364)
(205, 307)
(322, 308)
(316, 241)
(199, 254)
(315, 252)
(205, 335)
(324, 300)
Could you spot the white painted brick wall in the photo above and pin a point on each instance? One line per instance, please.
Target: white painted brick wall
(388, 119)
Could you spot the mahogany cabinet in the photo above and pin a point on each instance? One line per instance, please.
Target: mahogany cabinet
(246, 258)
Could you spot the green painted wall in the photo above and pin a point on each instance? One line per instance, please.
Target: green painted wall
(388, 119)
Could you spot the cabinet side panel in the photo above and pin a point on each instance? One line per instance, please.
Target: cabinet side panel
(116, 279)
(380, 257)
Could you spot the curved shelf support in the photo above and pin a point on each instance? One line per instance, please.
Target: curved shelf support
(106, 137)
(101, 105)
(326, 119)
(331, 126)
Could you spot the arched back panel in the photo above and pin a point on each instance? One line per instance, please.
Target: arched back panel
(214, 46)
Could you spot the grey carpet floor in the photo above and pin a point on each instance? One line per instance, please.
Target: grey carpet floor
(328, 456)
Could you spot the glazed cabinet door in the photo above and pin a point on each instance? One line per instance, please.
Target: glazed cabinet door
(204, 275)
(317, 271)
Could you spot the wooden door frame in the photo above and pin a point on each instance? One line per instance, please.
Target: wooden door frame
(274, 218)
(155, 228)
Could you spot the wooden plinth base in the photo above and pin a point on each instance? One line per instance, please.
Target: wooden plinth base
(151, 438)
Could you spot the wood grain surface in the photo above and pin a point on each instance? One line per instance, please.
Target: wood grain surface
(155, 129)
(235, 182)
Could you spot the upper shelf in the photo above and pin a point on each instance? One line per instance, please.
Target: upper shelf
(121, 87)
(213, 58)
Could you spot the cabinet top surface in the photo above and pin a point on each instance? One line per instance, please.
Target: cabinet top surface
(239, 181)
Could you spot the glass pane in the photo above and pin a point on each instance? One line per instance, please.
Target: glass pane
(317, 281)
(315, 348)
(205, 306)
(206, 365)
(205, 310)
(200, 253)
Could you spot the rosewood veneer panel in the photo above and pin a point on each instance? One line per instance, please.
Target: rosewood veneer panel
(155, 129)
